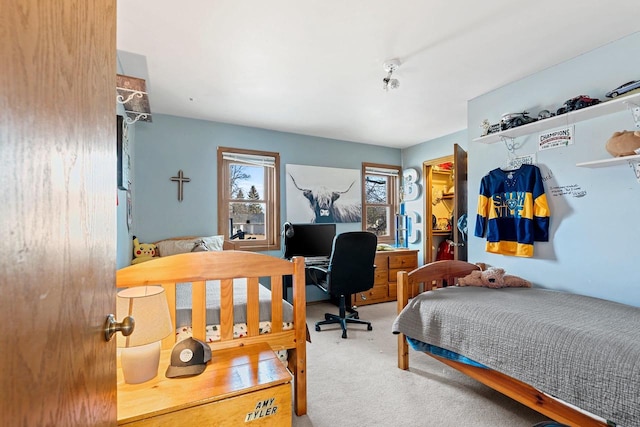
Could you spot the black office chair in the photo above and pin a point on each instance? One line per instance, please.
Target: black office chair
(350, 270)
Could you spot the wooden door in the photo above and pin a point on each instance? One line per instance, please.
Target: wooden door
(57, 168)
(460, 205)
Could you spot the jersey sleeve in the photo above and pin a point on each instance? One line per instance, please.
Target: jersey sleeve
(541, 212)
(484, 199)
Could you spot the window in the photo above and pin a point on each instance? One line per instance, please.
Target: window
(248, 198)
(381, 184)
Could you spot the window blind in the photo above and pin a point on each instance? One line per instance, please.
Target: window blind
(250, 159)
(382, 171)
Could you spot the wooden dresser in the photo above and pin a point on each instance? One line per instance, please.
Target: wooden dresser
(240, 385)
(388, 263)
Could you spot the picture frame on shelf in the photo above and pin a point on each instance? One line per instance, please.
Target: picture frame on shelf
(123, 154)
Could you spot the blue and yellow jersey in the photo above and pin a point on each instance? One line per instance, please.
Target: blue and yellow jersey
(513, 211)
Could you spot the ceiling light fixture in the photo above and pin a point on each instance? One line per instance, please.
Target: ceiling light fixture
(390, 66)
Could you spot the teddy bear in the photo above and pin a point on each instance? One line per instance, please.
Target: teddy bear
(143, 251)
(493, 277)
(625, 143)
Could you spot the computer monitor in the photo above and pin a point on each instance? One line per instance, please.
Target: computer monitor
(309, 239)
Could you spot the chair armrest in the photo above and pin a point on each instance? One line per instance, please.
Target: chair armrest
(314, 267)
(321, 283)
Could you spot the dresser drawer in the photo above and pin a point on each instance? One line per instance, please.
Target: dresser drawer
(403, 262)
(376, 294)
(380, 277)
(393, 290)
(381, 261)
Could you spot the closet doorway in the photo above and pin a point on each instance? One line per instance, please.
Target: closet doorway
(445, 210)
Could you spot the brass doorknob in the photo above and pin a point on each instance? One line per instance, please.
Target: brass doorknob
(111, 326)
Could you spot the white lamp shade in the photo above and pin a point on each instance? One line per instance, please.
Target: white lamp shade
(149, 308)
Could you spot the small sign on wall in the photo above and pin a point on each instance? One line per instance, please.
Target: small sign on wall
(514, 163)
(556, 138)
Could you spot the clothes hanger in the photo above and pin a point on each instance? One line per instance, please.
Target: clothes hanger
(511, 146)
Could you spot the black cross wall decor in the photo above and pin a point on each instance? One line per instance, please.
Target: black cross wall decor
(180, 179)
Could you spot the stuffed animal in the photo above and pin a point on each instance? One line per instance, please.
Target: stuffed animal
(625, 143)
(143, 251)
(493, 277)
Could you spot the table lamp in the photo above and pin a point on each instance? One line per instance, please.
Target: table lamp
(140, 354)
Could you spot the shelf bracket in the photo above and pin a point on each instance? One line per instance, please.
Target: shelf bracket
(138, 116)
(635, 111)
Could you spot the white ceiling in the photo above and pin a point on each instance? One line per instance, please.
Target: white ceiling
(315, 67)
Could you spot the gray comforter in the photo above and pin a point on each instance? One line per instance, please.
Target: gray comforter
(583, 350)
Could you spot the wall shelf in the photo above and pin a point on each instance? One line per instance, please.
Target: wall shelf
(609, 162)
(621, 103)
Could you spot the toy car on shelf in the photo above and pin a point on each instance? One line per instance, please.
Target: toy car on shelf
(512, 120)
(577, 103)
(545, 114)
(623, 88)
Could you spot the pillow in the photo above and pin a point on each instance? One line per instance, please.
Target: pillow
(214, 243)
(200, 246)
(172, 247)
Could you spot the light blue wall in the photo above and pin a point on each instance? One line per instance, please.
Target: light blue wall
(133, 65)
(171, 143)
(594, 239)
(413, 157)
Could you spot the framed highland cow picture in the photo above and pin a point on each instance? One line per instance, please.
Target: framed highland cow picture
(323, 195)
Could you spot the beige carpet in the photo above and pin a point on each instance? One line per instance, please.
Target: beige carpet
(356, 382)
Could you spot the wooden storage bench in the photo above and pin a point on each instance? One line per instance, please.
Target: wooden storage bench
(241, 385)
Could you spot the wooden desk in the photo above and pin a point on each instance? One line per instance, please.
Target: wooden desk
(240, 385)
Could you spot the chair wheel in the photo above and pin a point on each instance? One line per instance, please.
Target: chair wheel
(327, 316)
(356, 316)
(369, 328)
(317, 328)
(344, 334)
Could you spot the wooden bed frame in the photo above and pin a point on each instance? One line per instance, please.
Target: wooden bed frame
(198, 267)
(433, 276)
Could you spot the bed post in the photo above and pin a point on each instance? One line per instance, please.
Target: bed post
(403, 299)
(300, 325)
